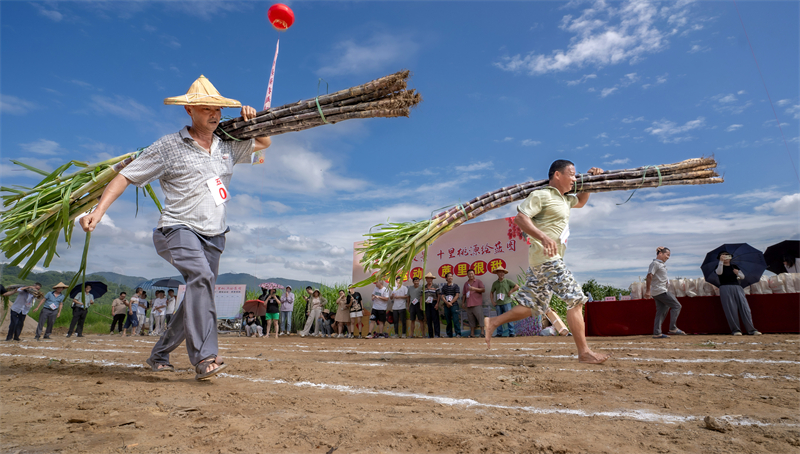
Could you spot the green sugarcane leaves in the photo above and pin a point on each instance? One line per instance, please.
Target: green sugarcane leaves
(36, 216)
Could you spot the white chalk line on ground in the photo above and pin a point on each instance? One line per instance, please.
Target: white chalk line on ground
(411, 354)
(638, 415)
(666, 360)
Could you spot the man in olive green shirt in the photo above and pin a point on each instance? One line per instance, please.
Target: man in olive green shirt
(544, 216)
(500, 296)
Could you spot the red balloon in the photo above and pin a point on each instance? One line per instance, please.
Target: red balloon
(280, 16)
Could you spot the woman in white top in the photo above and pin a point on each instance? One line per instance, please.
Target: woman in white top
(317, 303)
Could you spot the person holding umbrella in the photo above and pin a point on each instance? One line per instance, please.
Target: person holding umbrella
(80, 307)
(734, 302)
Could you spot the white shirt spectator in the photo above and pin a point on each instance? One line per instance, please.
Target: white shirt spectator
(398, 298)
(159, 306)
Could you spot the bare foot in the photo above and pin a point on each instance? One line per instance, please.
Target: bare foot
(591, 357)
(489, 327)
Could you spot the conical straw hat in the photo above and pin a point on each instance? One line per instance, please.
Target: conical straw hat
(202, 93)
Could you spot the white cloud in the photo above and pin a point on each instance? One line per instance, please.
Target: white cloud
(298, 243)
(602, 135)
(662, 79)
(632, 120)
(669, 132)
(121, 106)
(582, 147)
(299, 167)
(475, 167)
(170, 41)
(783, 102)
(530, 143)
(14, 105)
(615, 243)
(741, 92)
(794, 111)
(698, 48)
(41, 146)
(322, 267)
(607, 155)
(505, 139)
(581, 120)
(365, 56)
(607, 91)
(51, 14)
(277, 207)
(582, 79)
(728, 103)
(732, 128)
(603, 35)
(617, 162)
(788, 204)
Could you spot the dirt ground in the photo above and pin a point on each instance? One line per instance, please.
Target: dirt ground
(309, 395)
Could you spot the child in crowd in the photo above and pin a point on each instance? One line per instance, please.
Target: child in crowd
(251, 325)
(327, 330)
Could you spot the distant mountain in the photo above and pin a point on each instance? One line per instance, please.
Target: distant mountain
(121, 279)
(252, 281)
(119, 282)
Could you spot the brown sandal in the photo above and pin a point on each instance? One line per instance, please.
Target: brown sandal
(165, 367)
(201, 367)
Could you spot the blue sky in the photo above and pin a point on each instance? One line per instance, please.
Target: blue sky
(508, 87)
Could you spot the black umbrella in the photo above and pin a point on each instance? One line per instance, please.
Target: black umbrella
(749, 260)
(168, 283)
(98, 289)
(777, 253)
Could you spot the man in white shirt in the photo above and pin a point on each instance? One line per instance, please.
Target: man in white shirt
(380, 301)
(171, 300)
(399, 297)
(159, 309)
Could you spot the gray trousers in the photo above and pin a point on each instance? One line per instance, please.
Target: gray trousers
(47, 315)
(665, 302)
(196, 257)
(734, 304)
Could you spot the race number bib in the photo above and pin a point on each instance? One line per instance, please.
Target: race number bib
(414, 301)
(564, 235)
(500, 297)
(218, 190)
(449, 298)
(429, 299)
(467, 293)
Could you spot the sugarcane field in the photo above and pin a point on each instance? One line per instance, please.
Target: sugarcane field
(400, 227)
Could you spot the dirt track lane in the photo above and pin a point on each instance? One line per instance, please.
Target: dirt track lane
(309, 395)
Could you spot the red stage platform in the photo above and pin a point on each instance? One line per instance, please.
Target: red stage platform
(778, 313)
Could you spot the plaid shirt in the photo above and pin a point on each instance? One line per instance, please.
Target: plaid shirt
(183, 167)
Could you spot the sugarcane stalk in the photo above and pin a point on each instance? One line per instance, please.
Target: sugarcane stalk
(382, 248)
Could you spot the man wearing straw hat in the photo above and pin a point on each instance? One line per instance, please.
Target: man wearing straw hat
(500, 296)
(53, 302)
(544, 217)
(194, 168)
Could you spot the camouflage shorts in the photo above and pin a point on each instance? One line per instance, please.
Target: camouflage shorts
(544, 280)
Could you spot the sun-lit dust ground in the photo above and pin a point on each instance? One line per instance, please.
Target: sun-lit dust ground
(309, 395)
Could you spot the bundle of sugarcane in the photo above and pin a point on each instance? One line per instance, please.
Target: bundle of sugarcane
(384, 97)
(38, 214)
(392, 248)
